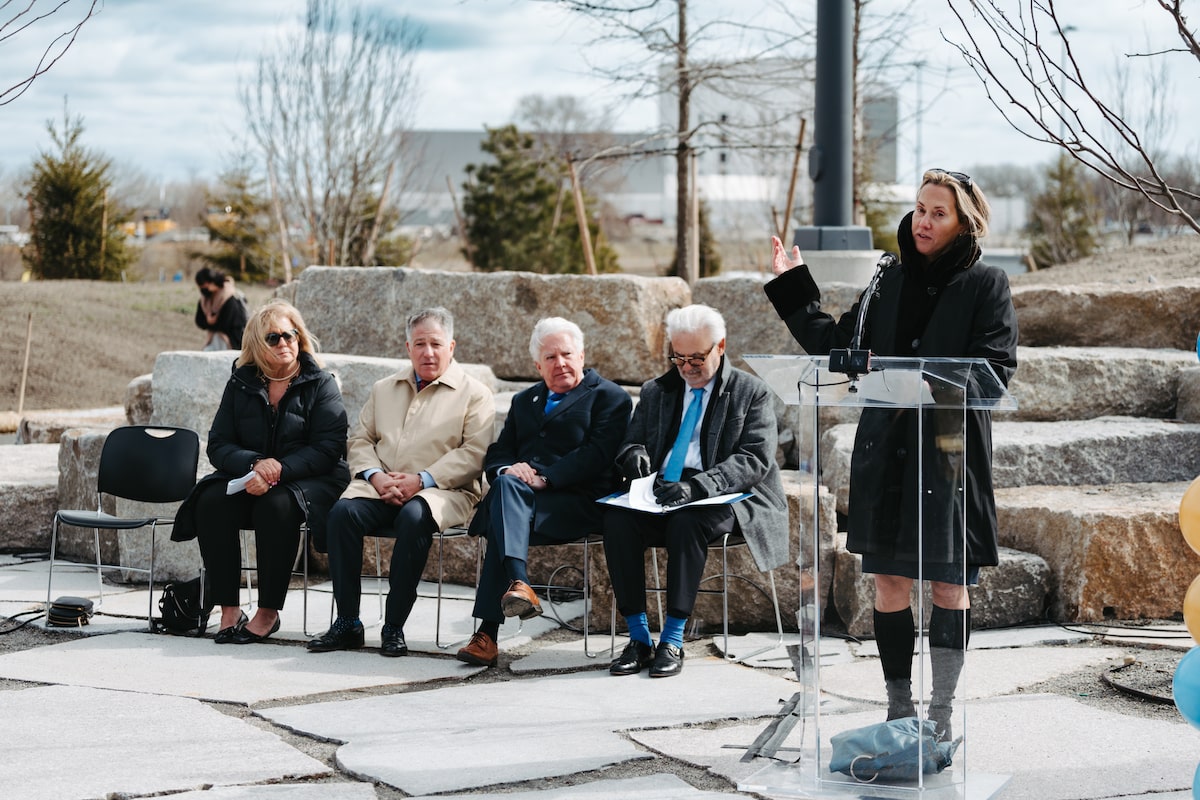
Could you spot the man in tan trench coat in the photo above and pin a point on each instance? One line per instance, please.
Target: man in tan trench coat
(416, 455)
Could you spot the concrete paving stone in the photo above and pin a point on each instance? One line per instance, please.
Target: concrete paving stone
(988, 673)
(177, 665)
(767, 654)
(1049, 747)
(719, 750)
(563, 724)
(125, 743)
(1171, 636)
(28, 582)
(660, 787)
(283, 791)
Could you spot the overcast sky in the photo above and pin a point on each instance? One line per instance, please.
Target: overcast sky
(156, 82)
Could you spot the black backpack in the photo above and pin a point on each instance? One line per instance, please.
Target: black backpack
(181, 610)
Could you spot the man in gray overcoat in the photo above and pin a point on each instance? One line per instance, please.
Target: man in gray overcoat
(707, 429)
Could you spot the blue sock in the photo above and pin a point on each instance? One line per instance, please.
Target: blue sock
(345, 624)
(639, 628)
(673, 630)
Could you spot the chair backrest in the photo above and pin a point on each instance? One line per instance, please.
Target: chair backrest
(150, 464)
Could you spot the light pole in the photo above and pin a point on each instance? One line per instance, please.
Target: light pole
(1062, 79)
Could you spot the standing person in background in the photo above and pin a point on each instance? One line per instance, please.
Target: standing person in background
(940, 301)
(222, 310)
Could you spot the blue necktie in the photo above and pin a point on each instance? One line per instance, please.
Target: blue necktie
(553, 399)
(674, 469)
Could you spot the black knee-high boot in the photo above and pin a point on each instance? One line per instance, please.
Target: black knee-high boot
(949, 632)
(895, 634)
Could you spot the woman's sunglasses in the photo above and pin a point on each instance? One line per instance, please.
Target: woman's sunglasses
(962, 177)
(273, 338)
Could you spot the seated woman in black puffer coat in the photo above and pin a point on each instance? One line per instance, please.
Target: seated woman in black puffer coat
(282, 424)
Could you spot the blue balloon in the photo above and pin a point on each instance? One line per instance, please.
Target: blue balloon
(1185, 687)
(1198, 345)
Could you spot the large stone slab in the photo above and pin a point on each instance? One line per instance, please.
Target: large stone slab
(1187, 405)
(188, 385)
(565, 724)
(1014, 592)
(28, 496)
(46, 427)
(66, 741)
(1076, 383)
(1067, 453)
(1113, 550)
(659, 786)
(138, 662)
(1109, 315)
(139, 399)
(363, 310)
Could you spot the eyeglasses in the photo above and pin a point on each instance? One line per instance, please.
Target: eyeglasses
(693, 360)
(962, 177)
(273, 338)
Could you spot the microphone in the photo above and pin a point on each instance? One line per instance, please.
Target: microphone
(855, 361)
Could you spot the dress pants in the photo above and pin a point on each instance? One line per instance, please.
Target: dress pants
(411, 525)
(275, 518)
(685, 534)
(510, 507)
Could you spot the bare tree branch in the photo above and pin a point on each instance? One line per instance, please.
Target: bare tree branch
(22, 20)
(1050, 100)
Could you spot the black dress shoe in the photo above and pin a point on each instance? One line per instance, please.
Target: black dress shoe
(392, 641)
(225, 635)
(633, 659)
(243, 636)
(668, 661)
(348, 637)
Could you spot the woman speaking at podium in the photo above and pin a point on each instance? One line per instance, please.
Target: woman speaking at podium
(938, 300)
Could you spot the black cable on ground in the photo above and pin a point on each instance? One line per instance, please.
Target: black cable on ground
(36, 615)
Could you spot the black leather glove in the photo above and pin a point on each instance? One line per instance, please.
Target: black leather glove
(634, 463)
(674, 494)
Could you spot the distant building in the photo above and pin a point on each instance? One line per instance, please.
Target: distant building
(747, 121)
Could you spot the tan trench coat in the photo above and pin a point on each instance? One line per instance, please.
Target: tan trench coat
(445, 430)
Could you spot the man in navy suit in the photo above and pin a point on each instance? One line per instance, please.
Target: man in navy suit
(551, 462)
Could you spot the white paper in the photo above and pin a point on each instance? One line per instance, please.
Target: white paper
(902, 387)
(640, 497)
(239, 484)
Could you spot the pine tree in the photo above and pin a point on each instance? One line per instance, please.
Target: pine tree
(518, 216)
(75, 228)
(1062, 217)
(238, 223)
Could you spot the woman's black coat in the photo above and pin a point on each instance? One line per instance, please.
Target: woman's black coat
(956, 307)
(307, 435)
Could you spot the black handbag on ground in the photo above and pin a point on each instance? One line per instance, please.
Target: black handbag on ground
(70, 612)
(181, 610)
(891, 751)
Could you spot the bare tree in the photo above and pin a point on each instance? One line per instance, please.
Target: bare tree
(330, 108)
(680, 56)
(1012, 47)
(29, 19)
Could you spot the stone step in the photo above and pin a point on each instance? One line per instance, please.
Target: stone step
(1073, 453)
(1014, 592)
(1115, 551)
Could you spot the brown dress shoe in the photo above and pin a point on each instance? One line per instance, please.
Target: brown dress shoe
(520, 601)
(481, 651)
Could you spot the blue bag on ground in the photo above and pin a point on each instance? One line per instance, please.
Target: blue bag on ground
(889, 751)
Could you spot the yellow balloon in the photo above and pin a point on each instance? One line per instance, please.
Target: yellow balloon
(1191, 609)
(1189, 515)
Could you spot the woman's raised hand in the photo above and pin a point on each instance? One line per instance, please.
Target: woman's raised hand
(780, 262)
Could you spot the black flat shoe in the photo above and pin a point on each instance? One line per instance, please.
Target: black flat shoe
(633, 659)
(668, 661)
(392, 643)
(243, 636)
(225, 635)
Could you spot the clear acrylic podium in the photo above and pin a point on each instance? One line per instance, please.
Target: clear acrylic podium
(899, 404)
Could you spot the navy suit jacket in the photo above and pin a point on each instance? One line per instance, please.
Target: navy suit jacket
(573, 447)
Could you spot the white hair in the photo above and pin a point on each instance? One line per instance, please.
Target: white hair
(694, 319)
(437, 315)
(550, 326)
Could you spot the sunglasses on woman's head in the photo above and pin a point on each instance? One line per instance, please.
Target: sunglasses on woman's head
(273, 338)
(962, 177)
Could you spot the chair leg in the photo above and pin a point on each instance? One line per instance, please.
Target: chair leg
(150, 602)
(304, 592)
(379, 576)
(587, 598)
(99, 567)
(50, 574)
(725, 592)
(437, 625)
